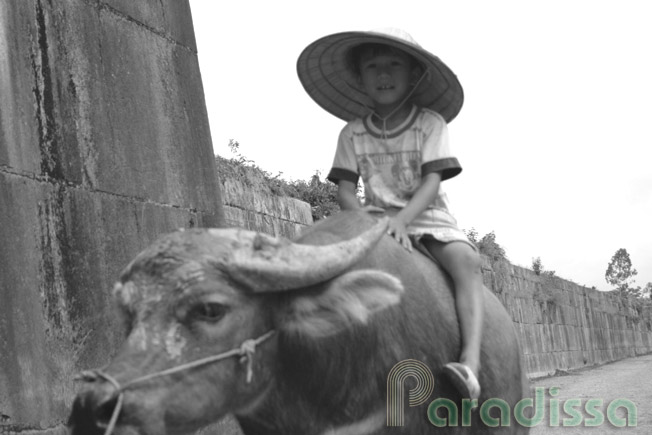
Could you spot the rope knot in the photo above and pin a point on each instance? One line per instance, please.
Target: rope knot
(247, 350)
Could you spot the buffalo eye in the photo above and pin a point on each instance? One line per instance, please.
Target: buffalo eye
(211, 312)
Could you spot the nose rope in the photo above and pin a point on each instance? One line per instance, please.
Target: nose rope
(245, 352)
(403, 101)
(354, 95)
(355, 91)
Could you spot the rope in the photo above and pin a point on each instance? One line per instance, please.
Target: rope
(245, 351)
(415, 85)
(401, 104)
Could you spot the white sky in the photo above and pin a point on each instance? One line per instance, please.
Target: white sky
(555, 135)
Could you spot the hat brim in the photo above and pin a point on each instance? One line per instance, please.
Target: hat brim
(326, 76)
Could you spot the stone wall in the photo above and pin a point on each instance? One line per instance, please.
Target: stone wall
(257, 210)
(564, 326)
(104, 145)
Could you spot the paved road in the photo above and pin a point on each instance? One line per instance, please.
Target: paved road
(630, 379)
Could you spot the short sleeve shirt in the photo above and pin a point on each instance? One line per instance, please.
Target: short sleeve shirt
(391, 163)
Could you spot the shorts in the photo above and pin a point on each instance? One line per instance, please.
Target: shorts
(434, 223)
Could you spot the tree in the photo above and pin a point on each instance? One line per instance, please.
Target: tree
(321, 195)
(537, 267)
(489, 247)
(647, 291)
(472, 235)
(620, 273)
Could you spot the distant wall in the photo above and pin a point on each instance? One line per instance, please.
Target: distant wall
(104, 145)
(257, 210)
(564, 326)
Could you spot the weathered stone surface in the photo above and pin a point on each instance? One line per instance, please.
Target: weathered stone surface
(104, 145)
(259, 211)
(19, 125)
(66, 248)
(170, 18)
(564, 326)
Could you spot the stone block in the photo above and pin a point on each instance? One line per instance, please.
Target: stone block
(19, 62)
(105, 105)
(258, 210)
(525, 339)
(169, 18)
(105, 146)
(573, 334)
(155, 153)
(68, 246)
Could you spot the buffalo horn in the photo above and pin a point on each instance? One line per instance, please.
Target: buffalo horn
(273, 264)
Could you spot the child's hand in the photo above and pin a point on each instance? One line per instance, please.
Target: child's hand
(398, 229)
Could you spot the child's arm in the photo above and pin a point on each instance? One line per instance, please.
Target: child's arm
(348, 200)
(419, 202)
(346, 195)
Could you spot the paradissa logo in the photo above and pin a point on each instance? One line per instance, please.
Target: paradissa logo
(425, 384)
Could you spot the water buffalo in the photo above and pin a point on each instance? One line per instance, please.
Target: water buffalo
(293, 338)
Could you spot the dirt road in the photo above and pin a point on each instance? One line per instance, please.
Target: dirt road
(629, 379)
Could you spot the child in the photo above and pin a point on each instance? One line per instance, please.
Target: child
(397, 98)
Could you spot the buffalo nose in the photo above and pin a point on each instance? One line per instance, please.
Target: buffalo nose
(87, 418)
(93, 407)
(104, 411)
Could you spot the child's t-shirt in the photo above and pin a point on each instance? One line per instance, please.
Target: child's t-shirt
(391, 163)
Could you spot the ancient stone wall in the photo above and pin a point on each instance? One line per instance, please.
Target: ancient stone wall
(104, 145)
(257, 210)
(564, 326)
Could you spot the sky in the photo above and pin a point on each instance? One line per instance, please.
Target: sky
(555, 136)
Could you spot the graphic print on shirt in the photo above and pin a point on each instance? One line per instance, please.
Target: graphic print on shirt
(390, 179)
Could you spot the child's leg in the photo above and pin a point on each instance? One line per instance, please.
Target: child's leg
(463, 264)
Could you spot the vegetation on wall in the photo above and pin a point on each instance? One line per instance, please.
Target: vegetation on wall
(487, 245)
(320, 194)
(539, 269)
(646, 292)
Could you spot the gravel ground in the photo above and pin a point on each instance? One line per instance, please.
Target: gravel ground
(629, 379)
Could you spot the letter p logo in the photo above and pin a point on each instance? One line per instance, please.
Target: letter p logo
(417, 395)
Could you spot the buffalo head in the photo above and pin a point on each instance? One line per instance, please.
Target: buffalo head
(205, 311)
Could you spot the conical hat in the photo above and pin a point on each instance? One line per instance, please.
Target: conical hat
(325, 73)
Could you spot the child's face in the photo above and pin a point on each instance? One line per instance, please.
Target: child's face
(386, 77)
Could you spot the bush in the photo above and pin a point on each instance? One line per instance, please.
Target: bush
(487, 245)
(537, 267)
(321, 195)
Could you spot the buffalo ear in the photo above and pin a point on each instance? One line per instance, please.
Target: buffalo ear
(349, 299)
